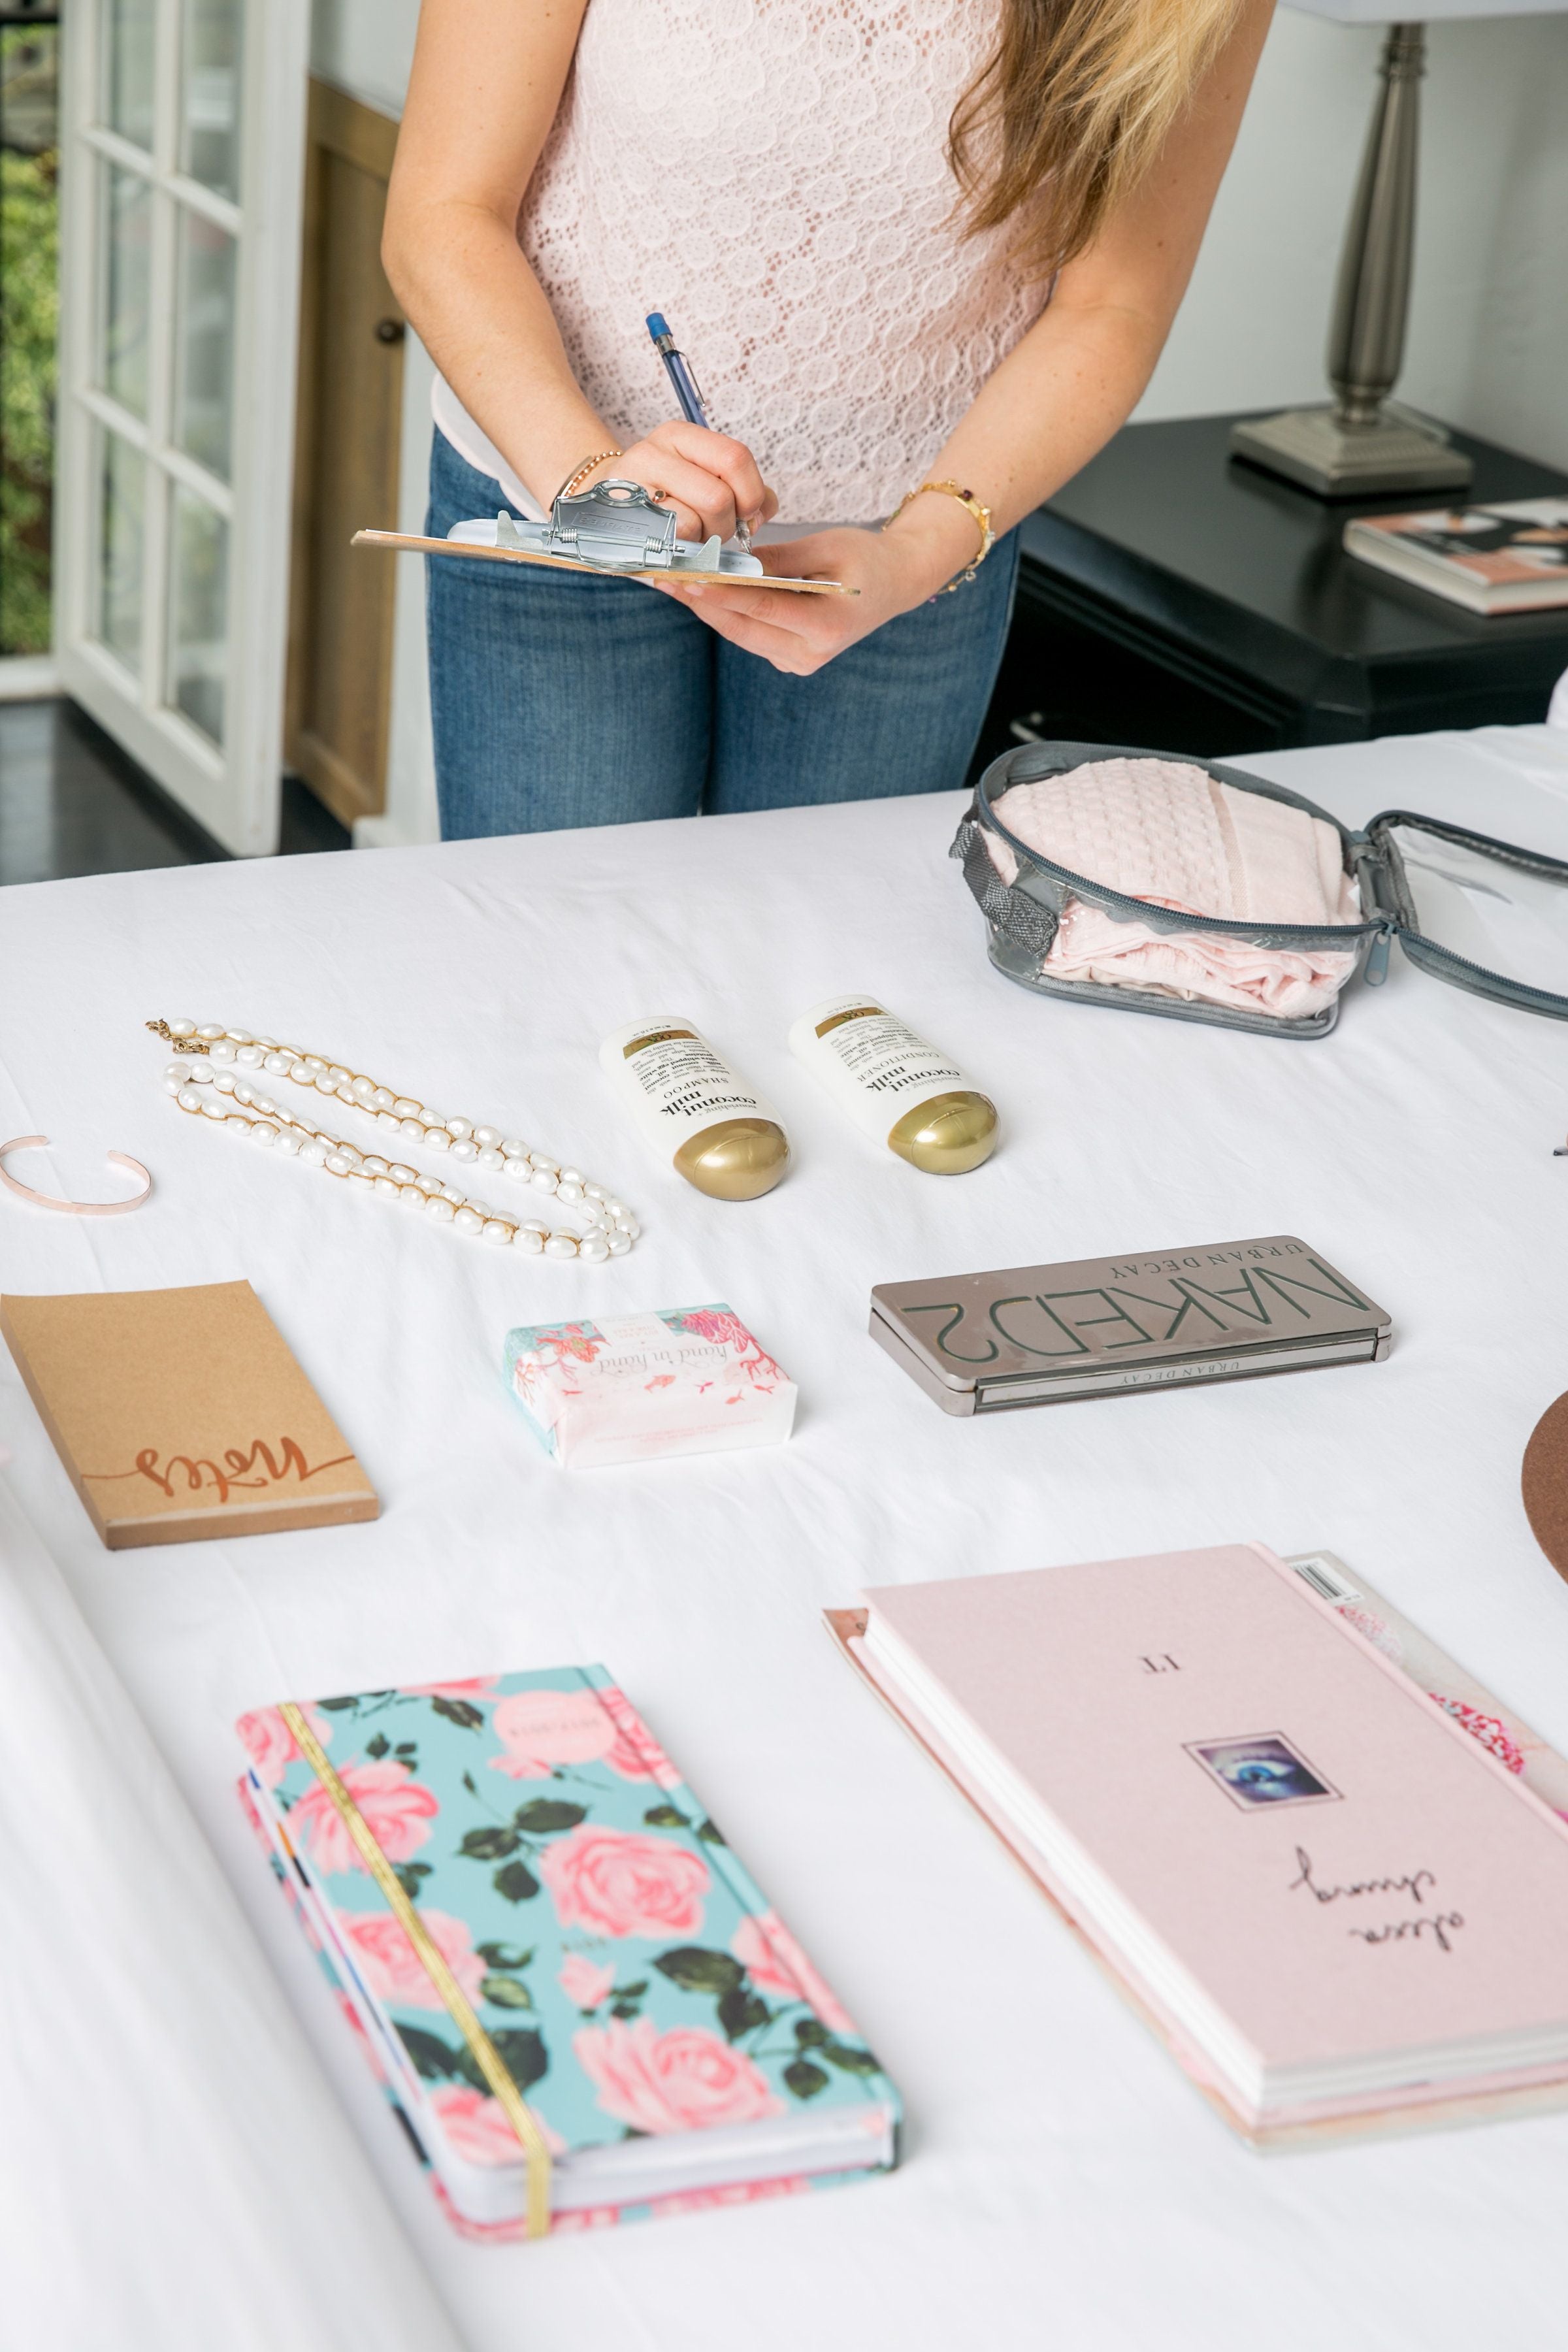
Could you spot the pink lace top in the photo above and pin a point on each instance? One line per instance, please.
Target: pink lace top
(774, 175)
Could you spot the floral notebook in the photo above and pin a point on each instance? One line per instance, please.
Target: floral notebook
(672, 2040)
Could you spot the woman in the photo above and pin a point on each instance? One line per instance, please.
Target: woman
(927, 246)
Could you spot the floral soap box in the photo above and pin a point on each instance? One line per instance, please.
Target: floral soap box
(640, 1388)
(586, 1929)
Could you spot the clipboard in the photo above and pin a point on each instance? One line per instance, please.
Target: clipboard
(614, 529)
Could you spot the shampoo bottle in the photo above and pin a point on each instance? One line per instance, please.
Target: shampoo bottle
(895, 1087)
(697, 1113)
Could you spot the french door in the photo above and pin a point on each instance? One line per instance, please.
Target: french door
(182, 147)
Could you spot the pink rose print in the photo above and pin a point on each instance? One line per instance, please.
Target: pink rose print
(269, 1743)
(353, 2016)
(776, 1964)
(583, 1981)
(392, 1967)
(476, 2126)
(541, 1727)
(397, 1810)
(625, 1883)
(1493, 1735)
(678, 2081)
(735, 2192)
(636, 1755)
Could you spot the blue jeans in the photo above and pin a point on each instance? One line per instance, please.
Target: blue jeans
(560, 701)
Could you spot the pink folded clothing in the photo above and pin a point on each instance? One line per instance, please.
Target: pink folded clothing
(1164, 831)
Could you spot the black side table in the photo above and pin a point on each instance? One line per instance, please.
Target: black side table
(1176, 596)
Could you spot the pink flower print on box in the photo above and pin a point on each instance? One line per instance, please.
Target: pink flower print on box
(678, 2081)
(625, 1883)
(585, 1983)
(393, 1969)
(397, 1811)
(574, 1342)
(476, 2126)
(776, 1964)
(725, 1328)
(269, 1743)
(1493, 1734)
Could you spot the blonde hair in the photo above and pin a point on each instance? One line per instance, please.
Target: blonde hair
(1068, 115)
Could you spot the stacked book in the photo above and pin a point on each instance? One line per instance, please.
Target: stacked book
(578, 2002)
(1322, 1862)
(1509, 558)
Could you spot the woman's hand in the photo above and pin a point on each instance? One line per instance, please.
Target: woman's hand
(712, 481)
(891, 572)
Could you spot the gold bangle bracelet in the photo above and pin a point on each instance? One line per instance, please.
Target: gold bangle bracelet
(587, 465)
(977, 507)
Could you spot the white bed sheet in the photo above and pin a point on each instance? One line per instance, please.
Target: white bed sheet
(1063, 2185)
(173, 2167)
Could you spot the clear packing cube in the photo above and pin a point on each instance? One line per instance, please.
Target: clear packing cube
(1484, 914)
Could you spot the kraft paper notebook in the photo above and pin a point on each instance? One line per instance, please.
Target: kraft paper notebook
(669, 2042)
(1318, 1857)
(182, 1414)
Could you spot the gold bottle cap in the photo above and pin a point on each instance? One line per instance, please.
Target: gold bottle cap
(947, 1134)
(739, 1159)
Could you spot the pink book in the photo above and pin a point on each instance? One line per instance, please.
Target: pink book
(1334, 1898)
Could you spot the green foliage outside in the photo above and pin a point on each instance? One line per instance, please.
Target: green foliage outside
(28, 313)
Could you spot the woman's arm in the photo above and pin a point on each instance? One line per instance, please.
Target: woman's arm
(487, 81)
(1056, 399)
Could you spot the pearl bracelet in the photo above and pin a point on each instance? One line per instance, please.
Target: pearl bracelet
(219, 1073)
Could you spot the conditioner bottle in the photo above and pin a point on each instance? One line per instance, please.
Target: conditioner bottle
(895, 1087)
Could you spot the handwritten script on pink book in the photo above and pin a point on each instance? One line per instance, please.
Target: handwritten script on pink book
(1339, 1865)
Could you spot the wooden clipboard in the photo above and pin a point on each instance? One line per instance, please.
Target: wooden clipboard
(411, 542)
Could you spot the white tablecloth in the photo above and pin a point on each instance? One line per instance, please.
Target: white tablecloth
(1064, 2184)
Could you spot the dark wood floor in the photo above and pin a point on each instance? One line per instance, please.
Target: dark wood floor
(71, 802)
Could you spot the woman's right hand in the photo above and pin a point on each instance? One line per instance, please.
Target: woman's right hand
(711, 480)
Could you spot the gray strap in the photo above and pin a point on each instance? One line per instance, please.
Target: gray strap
(1011, 912)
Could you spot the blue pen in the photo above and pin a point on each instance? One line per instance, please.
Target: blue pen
(683, 383)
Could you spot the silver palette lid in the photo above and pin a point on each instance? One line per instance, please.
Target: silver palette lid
(1042, 1334)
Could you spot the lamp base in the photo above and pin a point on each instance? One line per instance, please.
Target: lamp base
(1310, 447)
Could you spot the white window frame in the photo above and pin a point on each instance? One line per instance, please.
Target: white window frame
(233, 792)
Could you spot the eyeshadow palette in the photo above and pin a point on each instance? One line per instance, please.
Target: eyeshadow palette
(1114, 1326)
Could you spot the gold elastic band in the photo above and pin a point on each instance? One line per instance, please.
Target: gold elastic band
(535, 2150)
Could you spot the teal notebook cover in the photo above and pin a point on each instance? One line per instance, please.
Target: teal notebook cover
(624, 1962)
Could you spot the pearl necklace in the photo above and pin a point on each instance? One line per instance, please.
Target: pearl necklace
(217, 1069)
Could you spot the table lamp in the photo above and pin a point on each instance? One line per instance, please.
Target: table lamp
(1361, 446)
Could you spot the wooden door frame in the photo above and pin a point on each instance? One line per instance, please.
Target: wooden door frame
(346, 127)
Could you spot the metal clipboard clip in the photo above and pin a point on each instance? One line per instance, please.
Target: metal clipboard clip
(616, 526)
